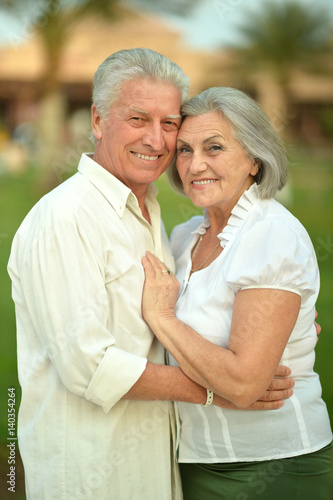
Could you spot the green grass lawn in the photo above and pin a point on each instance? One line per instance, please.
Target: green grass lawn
(312, 203)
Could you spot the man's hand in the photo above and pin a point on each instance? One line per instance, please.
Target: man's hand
(318, 327)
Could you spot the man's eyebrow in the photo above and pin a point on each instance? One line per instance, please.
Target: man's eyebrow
(137, 110)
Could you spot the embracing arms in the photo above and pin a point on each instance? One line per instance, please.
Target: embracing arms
(243, 371)
(159, 382)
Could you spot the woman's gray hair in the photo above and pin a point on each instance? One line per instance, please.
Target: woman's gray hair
(251, 127)
(130, 64)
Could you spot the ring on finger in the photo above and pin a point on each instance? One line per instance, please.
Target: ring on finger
(167, 271)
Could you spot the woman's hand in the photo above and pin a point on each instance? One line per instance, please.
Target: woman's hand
(160, 290)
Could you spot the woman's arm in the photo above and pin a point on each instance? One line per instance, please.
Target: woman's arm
(262, 322)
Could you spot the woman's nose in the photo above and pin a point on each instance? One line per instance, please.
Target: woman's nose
(198, 163)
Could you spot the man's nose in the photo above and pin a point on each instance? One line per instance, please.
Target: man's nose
(154, 137)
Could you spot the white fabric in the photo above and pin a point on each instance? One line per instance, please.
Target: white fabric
(264, 246)
(82, 343)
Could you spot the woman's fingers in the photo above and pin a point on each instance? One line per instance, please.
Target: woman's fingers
(148, 268)
(154, 261)
(157, 264)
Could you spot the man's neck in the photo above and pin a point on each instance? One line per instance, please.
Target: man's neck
(145, 213)
(139, 191)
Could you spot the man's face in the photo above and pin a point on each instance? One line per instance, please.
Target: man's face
(137, 141)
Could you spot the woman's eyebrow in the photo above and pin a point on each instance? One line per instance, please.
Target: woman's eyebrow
(217, 136)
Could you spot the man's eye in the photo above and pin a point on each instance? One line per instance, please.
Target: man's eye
(137, 121)
(171, 124)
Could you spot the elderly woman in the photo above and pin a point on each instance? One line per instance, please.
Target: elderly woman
(248, 285)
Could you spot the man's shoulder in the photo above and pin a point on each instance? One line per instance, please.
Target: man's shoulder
(59, 205)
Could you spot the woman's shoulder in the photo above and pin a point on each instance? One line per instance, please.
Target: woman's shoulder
(188, 226)
(272, 217)
(275, 235)
(184, 231)
(274, 251)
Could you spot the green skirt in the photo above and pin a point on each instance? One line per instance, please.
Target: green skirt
(305, 477)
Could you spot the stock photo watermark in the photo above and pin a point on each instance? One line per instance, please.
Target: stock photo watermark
(12, 439)
(225, 7)
(324, 248)
(131, 440)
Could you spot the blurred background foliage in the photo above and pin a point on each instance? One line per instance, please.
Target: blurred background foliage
(282, 58)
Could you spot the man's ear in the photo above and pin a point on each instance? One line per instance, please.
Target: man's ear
(96, 120)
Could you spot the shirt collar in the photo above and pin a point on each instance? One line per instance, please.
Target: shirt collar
(117, 194)
(238, 215)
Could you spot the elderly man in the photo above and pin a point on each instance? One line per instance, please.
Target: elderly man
(95, 418)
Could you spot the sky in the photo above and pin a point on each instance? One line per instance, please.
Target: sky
(211, 25)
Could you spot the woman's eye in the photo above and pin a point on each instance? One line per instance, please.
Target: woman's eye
(216, 147)
(183, 149)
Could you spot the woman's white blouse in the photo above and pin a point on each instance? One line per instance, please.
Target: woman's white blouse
(264, 246)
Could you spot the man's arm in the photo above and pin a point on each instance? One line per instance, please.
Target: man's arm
(159, 382)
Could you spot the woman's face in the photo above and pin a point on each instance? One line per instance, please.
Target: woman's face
(212, 164)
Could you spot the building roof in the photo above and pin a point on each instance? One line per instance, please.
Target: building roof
(92, 41)
(22, 65)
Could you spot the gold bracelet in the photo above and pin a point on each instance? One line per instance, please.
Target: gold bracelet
(210, 397)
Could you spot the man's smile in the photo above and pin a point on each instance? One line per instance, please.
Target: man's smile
(145, 157)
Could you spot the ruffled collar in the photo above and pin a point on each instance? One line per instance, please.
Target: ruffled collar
(238, 215)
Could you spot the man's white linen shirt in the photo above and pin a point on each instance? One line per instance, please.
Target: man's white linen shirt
(77, 281)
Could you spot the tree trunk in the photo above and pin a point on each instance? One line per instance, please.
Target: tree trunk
(51, 124)
(273, 97)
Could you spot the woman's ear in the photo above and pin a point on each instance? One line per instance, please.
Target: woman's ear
(96, 120)
(258, 169)
(255, 167)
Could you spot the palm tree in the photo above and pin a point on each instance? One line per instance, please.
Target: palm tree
(283, 37)
(53, 21)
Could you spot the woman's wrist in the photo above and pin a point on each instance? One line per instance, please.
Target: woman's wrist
(162, 322)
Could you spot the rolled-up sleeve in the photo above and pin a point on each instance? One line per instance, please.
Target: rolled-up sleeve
(112, 377)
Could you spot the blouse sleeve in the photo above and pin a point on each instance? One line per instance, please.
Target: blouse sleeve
(275, 254)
